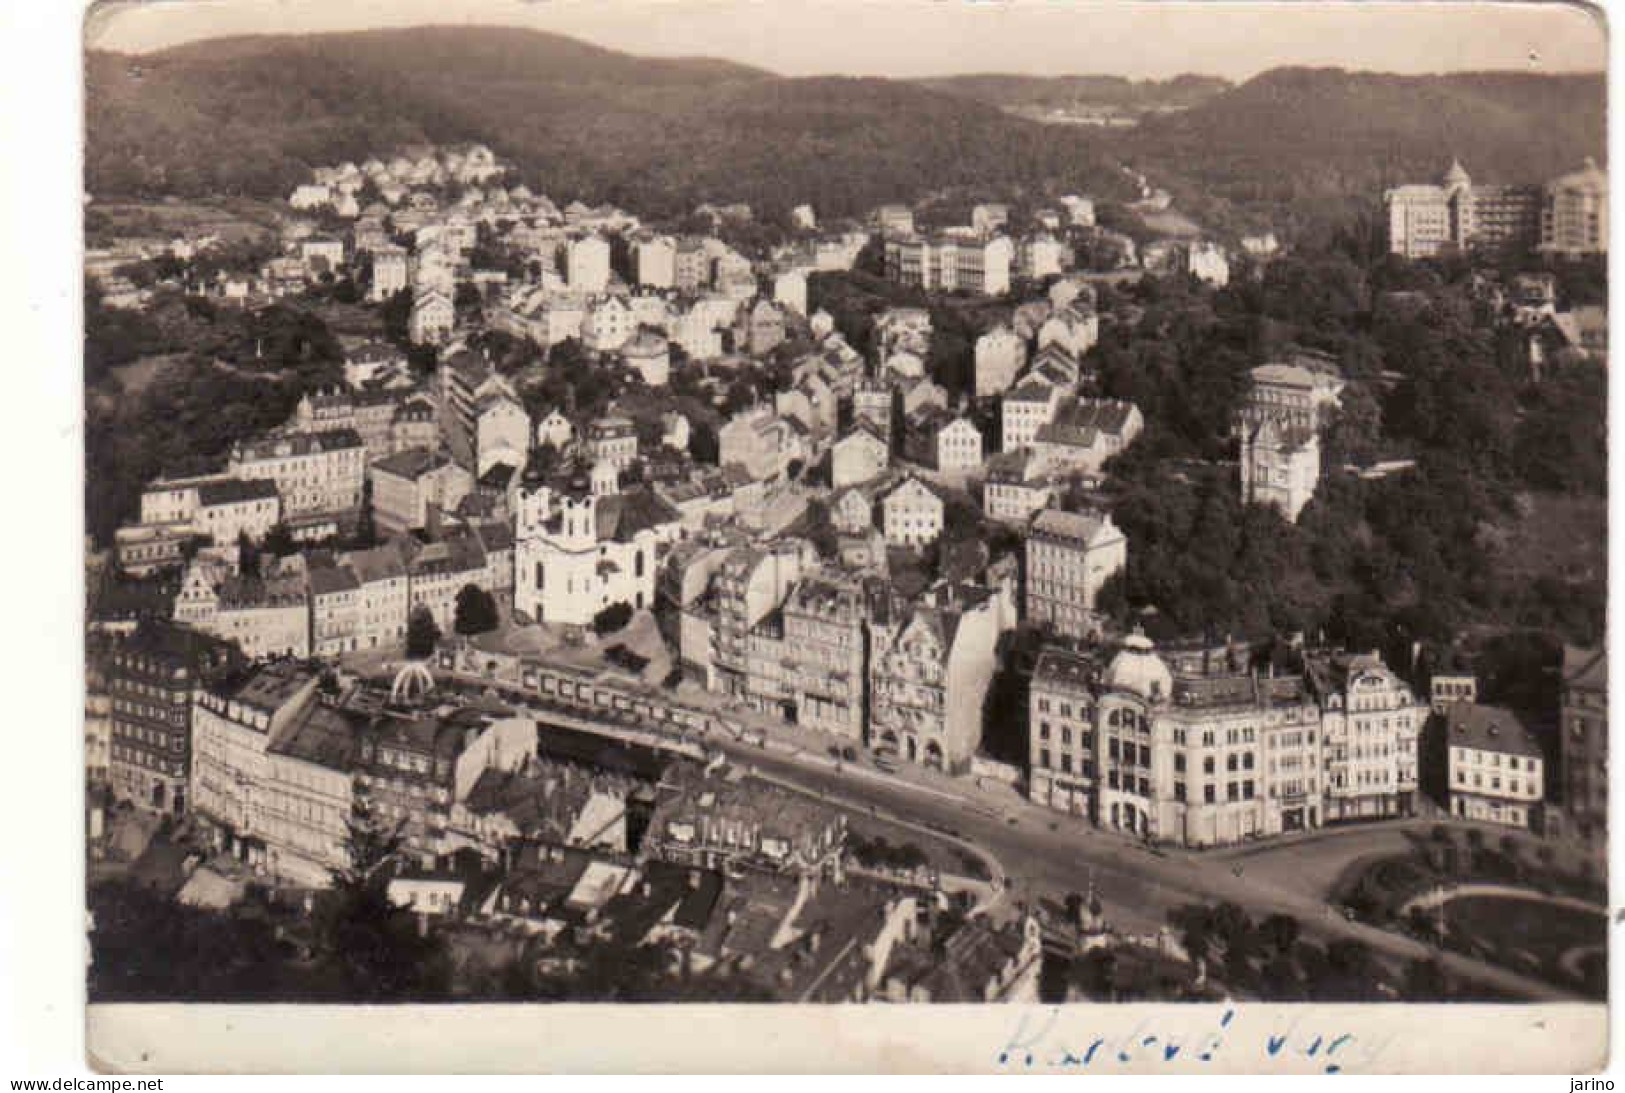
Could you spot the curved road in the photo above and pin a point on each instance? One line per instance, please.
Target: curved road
(1047, 854)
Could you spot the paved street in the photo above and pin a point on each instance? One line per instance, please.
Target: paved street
(1044, 855)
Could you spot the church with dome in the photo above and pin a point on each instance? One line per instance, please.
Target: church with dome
(1197, 746)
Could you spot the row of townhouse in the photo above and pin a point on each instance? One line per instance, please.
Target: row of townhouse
(768, 626)
(359, 600)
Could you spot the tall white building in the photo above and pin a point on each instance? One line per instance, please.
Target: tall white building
(587, 264)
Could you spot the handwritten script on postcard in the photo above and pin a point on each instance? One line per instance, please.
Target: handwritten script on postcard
(1061, 1040)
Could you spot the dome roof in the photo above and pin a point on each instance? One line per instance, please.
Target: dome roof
(1588, 178)
(1457, 176)
(1139, 669)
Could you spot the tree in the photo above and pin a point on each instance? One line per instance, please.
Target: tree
(366, 528)
(248, 556)
(422, 633)
(476, 611)
(369, 944)
(1280, 931)
(612, 618)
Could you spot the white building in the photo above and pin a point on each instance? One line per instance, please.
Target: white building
(656, 261)
(911, 514)
(579, 550)
(1497, 769)
(587, 264)
(1070, 556)
(1000, 357)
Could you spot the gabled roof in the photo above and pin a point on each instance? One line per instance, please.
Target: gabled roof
(326, 581)
(623, 515)
(1585, 668)
(412, 464)
(1080, 526)
(1489, 728)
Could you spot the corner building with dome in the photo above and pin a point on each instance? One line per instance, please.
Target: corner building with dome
(1192, 747)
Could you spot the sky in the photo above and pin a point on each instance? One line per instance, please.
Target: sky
(915, 38)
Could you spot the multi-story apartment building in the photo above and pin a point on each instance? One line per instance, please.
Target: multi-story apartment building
(1026, 410)
(391, 271)
(957, 448)
(1447, 688)
(691, 266)
(929, 669)
(1070, 555)
(859, 456)
(152, 679)
(656, 261)
(1295, 392)
(267, 617)
(316, 473)
(1456, 215)
(439, 571)
(468, 386)
(1370, 724)
(335, 611)
(382, 594)
(911, 513)
(308, 800)
(1186, 746)
(1280, 466)
(1000, 356)
(1017, 485)
(433, 316)
(826, 647)
(1583, 740)
(1061, 728)
(1084, 433)
(408, 485)
(220, 508)
(613, 440)
(1496, 768)
(1574, 213)
(235, 723)
(762, 442)
(587, 264)
(748, 586)
(948, 263)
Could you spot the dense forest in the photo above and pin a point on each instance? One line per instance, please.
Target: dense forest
(1298, 150)
(656, 136)
(1011, 91)
(1303, 148)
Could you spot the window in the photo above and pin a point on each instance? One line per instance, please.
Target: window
(1207, 764)
(1207, 793)
(1230, 763)
(1043, 758)
(1179, 764)
(1230, 791)
(1179, 791)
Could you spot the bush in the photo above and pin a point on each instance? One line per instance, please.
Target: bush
(612, 618)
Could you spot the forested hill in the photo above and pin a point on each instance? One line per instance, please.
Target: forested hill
(250, 115)
(1011, 91)
(1298, 137)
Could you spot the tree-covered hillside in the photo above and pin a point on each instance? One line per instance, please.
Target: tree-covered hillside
(1305, 148)
(252, 115)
